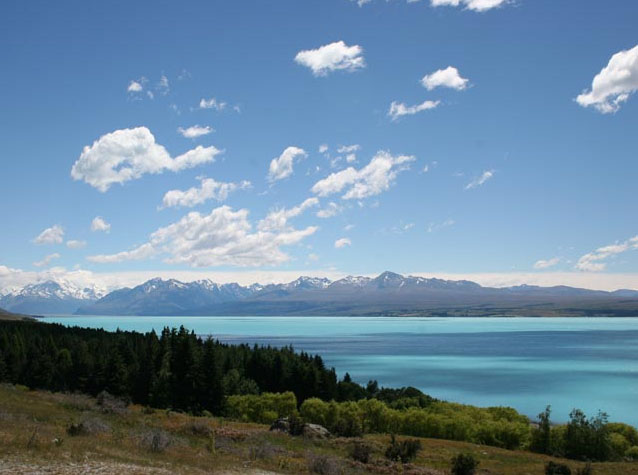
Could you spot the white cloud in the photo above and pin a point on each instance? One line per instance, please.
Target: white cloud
(128, 154)
(373, 179)
(332, 57)
(209, 189)
(222, 237)
(139, 253)
(163, 86)
(195, 131)
(595, 261)
(212, 103)
(99, 224)
(476, 5)
(614, 83)
(448, 77)
(433, 227)
(329, 211)
(277, 219)
(75, 244)
(361, 2)
(282, 166)
(546, 263)
(134, 86)
(52, 235)
(399, 109)
(47, 260)
(349, 148)
(342, 242)
(323, 148)
(480, 180)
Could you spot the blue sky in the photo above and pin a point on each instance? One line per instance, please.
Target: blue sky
(524, 182)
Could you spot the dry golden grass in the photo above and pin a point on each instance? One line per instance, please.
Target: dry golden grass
(34, 438)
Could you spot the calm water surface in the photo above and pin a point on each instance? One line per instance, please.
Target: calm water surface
(526, 363)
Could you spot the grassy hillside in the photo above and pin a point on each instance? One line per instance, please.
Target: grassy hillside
(8, 316)
(35, 429)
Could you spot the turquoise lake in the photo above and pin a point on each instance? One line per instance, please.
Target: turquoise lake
(526, 363)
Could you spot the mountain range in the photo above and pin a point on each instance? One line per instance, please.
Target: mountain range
(50, 297)
(387, 294)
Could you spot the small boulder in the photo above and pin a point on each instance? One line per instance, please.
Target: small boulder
(315, 431)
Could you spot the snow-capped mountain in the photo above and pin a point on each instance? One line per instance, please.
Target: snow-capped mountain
(388, 292)
(50, 297)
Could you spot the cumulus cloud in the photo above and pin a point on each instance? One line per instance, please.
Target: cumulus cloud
(222, 237)
(332, 57)
(195, 131)
(614, 83)
(282, 166)
(448, 77)
(373, 179)
(595, 261)
(212, 103)
(208, 189)
(343, 242)
(399, 109)
(75, 244)
(99, 224)
(128, 154)
(52, 235)
(332, 209)
(475, 5)
(546, 263)
(135, 86)
(47, 260)
(480, 180)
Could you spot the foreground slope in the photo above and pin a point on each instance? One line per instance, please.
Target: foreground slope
(34, 438)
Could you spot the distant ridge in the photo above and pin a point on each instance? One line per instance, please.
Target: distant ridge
(389, 293)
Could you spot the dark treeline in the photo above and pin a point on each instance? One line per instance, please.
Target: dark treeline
(175, 370)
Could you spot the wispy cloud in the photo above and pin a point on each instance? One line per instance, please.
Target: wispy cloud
(596, 261)
(480, 180)
(399, 109)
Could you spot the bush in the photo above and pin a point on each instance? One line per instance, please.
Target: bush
(110, 404)
(361, 452)
(619, 445)
(464, 464)
(323, 465)
(261, 451)
(156, 440)
(632, 453)
(404, 451)
(264, 409)
(88, 427)
(553, 468)
(200, 428)
(586, 470)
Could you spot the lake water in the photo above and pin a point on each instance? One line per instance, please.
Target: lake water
(526, 363)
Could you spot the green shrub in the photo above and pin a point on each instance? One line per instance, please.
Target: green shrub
(619, 445)
(265, 408)
(404, 451)
(464, 464)
(632, 453)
